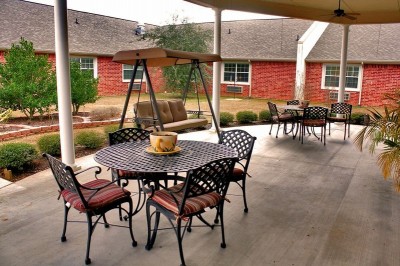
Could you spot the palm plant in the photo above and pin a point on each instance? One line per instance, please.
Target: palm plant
(384, 128)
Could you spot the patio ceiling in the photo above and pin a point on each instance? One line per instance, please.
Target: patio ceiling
(361, 12)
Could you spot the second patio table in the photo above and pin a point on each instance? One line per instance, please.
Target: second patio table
(132, 156)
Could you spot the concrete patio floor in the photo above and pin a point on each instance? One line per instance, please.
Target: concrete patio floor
(309, 204)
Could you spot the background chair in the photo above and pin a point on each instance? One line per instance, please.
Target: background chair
(280, 118)
(243, 143)
(128, 135)
(340, 112)
(203, 188)
(95, 198)
(313, 117)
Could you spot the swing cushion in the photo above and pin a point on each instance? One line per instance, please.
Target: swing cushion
(178, 110)
(165, 112)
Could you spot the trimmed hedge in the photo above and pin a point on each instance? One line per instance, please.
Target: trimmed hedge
(357, 118)
(90, 139)
(50, 144)
(16, 156)
(264, 115)
(246, 117)
(225, 118)
(111, 128)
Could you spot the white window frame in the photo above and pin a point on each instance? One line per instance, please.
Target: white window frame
(359, 81)
(235, 82)
(95, 73)
(128, 80)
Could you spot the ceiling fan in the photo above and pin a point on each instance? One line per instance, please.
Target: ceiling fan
(337, 13)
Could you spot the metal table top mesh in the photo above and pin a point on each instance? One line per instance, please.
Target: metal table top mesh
(132, 156)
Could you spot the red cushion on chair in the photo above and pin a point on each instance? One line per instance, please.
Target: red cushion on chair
(314, 122)
(337, 119)
(102, 198)
(237, 174)
(192, 205)
(124, 173)
(286, 117)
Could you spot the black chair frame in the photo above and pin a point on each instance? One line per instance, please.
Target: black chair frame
(340, 112)
(314, 116)
(66, 180)
(212, 177)
(243, 143)
(279, 118)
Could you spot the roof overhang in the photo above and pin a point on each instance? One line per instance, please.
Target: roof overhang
(369, 11)
(163, 57)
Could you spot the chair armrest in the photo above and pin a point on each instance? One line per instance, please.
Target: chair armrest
(97, 172)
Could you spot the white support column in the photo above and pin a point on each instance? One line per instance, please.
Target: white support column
(217, 67)
(343, 63)
(63, 82)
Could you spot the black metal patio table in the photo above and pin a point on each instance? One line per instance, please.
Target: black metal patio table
(132, 156)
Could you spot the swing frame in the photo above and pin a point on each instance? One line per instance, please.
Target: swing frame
(160, 57)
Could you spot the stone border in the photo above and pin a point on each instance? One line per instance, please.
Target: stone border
(53, 128)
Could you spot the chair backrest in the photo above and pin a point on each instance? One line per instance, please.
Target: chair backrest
(241, 141)
(341, 108)
(65, 177)
(211, 177)
(128, 135)
(315, 112)
(293, 102)
(272, 109)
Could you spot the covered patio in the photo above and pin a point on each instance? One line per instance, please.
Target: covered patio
(309, 204)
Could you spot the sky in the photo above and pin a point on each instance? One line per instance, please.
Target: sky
(157, 12)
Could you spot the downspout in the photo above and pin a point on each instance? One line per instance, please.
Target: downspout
(64, 83)
(362, 77)
(250, 81)
(216, 69)
(304, 46)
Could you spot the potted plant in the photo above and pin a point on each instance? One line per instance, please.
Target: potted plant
(383, 128)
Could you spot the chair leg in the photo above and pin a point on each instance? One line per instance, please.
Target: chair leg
(270, 130)
(330, 128)
(106, 224)
(324, 134)
(151, 237)
(221, 216)
(134, 243)
(277, 131)
(66, 210)
(246, 210)
(348, 128)
(179, 237)
(89, 237)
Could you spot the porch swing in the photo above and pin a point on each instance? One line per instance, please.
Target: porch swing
(165, 115)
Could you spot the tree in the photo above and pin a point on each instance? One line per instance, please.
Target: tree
(181, 36)
(27, 80)
(83, 87)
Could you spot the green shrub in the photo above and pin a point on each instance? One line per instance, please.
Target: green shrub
(264, 115)
(111, 128)
(90, 139)
(357, 118)
(225, 118)
(245, 117)
(194, 116)
(16, 156)
(50, 144)
(101, 114)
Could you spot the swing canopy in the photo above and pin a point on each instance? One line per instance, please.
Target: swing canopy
(160, 57)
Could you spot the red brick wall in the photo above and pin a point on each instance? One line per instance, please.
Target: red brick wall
(2, 60)
(273, 80)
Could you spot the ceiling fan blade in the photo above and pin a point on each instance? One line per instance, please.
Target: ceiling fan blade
(349, 17)
(353, 14)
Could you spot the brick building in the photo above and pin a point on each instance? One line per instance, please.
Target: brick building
(259, 56)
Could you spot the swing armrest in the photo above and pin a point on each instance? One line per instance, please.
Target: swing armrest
(145, 121)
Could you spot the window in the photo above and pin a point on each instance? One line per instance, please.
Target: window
(330, 77)
(127, 71)
(87, 64)
(236, 72)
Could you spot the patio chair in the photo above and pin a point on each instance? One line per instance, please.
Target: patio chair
(340, 112)
(94, 198)
(129, 135)
(203, 188)
(243, 143)
(314, 117)
(280, 118)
